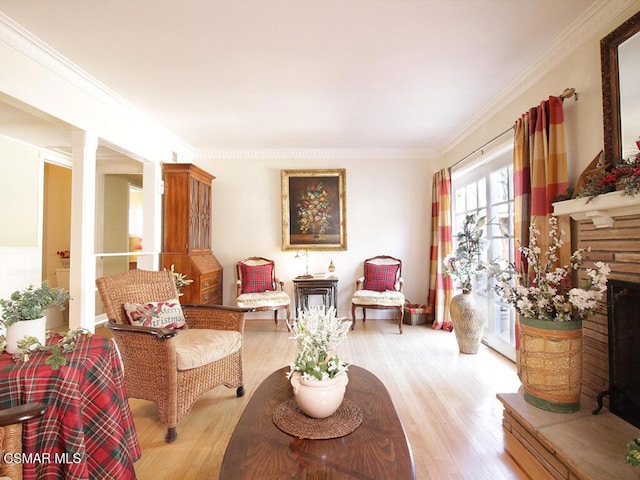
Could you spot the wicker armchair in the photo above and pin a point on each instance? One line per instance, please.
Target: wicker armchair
(11, 420)
(258, 288)
(154, 358)
(379, 288)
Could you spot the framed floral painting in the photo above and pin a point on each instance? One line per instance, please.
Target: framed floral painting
(314, 210)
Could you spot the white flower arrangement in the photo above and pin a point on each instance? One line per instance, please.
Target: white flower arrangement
(545, 292)
(317, 333)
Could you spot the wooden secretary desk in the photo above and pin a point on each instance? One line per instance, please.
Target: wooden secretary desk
(186, 236)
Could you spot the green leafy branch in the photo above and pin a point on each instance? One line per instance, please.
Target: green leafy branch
(633, 453)
(179, 279)
(55, 360)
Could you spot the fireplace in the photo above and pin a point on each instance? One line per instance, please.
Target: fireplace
(581, 445)
(609, 225)
(623, 305)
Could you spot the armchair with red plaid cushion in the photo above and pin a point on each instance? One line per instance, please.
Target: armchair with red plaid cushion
(380, 288)
(259, 289)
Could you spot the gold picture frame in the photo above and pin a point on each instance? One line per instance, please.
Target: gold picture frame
(314, 214)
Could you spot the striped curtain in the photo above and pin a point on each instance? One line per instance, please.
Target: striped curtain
(441, 287)
(521, 185)
(540, 173)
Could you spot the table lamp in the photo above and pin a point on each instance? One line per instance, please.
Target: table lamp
(305, 254)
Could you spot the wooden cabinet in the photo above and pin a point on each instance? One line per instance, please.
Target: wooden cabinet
(187, 209)
(186, 238)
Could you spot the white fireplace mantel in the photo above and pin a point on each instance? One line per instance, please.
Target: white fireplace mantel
(601, 209)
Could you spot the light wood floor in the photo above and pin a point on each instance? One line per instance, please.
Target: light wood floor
(446, 401)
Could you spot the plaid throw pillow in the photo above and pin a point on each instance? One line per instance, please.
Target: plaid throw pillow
(256, 278)
(380, 278)
(156, 314)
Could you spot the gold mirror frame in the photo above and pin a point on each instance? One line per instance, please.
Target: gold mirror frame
(611, 87)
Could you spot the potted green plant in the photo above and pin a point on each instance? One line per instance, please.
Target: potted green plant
(318, 375)
(179, 279)
(24, 313)
(465, 261)
(467, 314)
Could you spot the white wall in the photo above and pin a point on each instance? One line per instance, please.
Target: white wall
(21, 214)
(388, 212)
(20, 193)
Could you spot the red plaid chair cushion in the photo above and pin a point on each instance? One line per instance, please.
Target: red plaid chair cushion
(380, 278)
(256, 278)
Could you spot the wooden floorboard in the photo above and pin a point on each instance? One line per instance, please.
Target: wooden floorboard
(446, 401)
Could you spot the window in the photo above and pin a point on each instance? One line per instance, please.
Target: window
(486, 189)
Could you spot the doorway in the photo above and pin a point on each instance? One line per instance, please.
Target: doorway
(56, 235)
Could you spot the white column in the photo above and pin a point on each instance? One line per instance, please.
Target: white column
(82, 307)
(152, 223)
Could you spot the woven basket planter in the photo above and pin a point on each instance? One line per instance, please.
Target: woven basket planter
(550, 364)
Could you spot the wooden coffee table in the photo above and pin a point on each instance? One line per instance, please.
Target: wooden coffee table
(377, 449)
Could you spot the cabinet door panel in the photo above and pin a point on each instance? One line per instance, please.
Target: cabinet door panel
(205, 216)
(194, 215)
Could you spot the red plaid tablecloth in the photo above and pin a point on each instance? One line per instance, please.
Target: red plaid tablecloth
(87, 431)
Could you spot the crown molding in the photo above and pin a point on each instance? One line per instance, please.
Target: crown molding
(17, 37)
(319, 153)
(583, 28)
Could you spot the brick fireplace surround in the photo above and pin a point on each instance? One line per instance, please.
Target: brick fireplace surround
(581, 445)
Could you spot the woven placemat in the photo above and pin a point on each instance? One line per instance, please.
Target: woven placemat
(290, 419)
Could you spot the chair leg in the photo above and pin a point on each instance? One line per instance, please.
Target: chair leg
(353, 316)
(171, 435)
(288, 318)
(240, 391)
(275, 316)
(400, 318)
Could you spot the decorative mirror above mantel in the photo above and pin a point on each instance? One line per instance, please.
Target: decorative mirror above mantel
(619, 53)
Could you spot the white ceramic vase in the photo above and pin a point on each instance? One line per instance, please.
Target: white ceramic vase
(25, 328)
(319, 399)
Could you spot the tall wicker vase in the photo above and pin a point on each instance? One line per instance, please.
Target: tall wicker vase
(550, 363)
(469, 317)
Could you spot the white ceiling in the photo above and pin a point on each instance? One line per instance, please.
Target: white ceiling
(304, 74)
